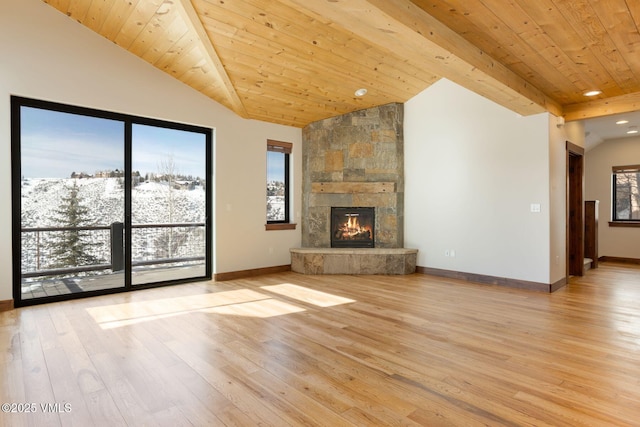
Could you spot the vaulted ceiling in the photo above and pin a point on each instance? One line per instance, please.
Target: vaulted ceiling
(294, 62)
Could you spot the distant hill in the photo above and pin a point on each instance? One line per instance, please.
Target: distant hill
(42, 197)
(152, 203)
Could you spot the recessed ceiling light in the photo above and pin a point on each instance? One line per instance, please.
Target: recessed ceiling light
(622, 122)
(593, 93)
(361, 92)
(633, 129)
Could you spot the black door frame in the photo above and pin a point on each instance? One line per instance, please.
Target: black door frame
(129, 120)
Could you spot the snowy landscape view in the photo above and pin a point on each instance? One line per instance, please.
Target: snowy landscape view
(275, 201)
(101, 199)
(46, 204)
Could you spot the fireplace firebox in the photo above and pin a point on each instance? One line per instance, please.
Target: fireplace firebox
(352, 227)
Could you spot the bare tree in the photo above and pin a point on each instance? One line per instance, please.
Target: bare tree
(168, 171)
(628, 195)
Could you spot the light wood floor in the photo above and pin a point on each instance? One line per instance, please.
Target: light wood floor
(289, 349)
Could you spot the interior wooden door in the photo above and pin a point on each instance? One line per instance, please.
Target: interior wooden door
(575, 210)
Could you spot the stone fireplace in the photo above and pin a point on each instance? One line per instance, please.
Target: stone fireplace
(356, 159)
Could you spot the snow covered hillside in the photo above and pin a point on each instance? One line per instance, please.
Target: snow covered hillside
(48, 203)
(152, 202)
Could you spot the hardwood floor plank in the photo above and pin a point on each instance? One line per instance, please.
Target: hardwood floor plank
(232, 388)
(297, 405)
(130, 404)
(12, 391)
(37, 382)
(289, 349)
(103, 409)
(361, 417)
(295, 372)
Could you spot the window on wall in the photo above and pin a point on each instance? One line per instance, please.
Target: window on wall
(626, 194)
(278, 190)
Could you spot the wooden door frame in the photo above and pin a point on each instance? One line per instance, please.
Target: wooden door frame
(575, 199)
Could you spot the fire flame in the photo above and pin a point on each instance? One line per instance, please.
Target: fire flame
(352, 223)
(352, 229)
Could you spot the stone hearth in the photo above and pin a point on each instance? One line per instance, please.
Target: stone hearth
(353, 260)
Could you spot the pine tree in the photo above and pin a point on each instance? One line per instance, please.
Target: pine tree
(72, 249)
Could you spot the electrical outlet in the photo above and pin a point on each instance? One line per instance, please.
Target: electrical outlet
(446, 253)
(452, 252)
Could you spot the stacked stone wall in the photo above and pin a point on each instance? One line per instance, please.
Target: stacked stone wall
(363, 146)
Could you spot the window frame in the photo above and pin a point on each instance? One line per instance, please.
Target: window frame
(615, 221)
(286, 149)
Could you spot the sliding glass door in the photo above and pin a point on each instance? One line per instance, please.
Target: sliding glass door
(168, 212)
(72, 193)
(105, 202)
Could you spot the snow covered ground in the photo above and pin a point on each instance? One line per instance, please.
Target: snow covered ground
(152, 203)
(275, 208)
(43, 197)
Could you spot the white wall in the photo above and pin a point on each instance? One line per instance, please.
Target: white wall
(612, 241)
(46, 55)
(473, 169)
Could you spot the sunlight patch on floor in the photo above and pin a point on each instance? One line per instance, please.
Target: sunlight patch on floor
(241, 302)
(311, 296)
(135, 320)
(264, 308)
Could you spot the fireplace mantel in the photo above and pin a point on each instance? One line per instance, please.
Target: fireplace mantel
(353, 187)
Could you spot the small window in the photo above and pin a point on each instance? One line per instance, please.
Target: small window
(626, 194)
(278, 182)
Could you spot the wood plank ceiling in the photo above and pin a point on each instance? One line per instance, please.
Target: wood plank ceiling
(294, 62)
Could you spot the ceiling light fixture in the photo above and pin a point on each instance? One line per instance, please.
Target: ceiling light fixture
(593, 93)
(632, 129)
(361, 92)
(622, 122)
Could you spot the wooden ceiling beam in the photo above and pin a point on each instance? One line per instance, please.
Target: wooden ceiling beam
(602, 107)
(403, 27)
(470, 66)
(192, 19)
